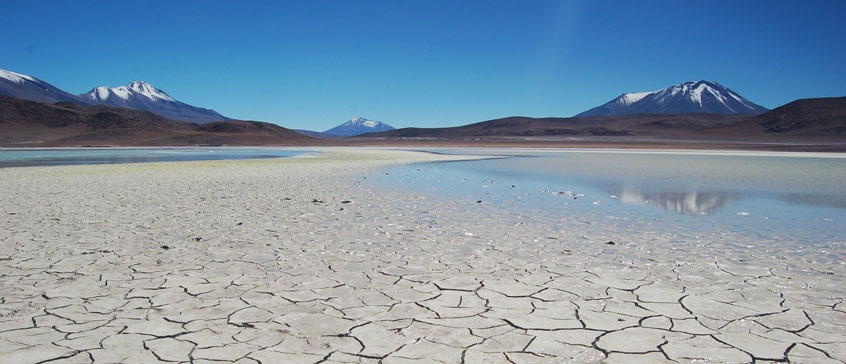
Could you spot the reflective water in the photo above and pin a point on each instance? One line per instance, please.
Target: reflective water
(70, 156)
(777, 195)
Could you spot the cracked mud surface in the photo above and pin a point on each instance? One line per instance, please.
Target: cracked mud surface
(301, 260)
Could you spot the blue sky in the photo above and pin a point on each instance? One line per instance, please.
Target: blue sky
(315, 64)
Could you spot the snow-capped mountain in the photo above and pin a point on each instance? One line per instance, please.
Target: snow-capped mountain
(140, 88)
(688, 97)
(144, 96)
(25, 87)
(358, 126)
(136, 95)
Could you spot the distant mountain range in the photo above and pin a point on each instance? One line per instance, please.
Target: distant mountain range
(35, 113)
(137, 95)
(358, 126)
(594, 126)
(808, 118)
(689, 97)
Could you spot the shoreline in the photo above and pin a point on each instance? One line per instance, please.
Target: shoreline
(302, 259)
(812, 145)
(494, 152)
(712, 152)
(838, 146)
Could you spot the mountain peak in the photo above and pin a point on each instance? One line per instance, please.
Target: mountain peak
(144, 96)
(687, 97)
(134, 89)
(360, 121)
(358, 125)
(141, 85)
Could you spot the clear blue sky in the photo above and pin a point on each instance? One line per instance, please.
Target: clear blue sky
(315, 64)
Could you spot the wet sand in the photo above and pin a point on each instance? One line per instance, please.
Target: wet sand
(303, 260)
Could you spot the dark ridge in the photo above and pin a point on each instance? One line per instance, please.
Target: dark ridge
(31, 124)
(824, 115)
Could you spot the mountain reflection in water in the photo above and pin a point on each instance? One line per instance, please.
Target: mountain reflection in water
(681, 202)
(783, 197)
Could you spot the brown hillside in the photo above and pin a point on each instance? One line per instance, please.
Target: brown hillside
(30, 123)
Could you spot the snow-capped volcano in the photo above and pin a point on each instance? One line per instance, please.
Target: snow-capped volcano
(136, 88)
(357, 126)
(688, 97)
(144, 96)
(26, 87)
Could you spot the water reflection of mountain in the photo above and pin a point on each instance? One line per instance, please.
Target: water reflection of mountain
(681, 202)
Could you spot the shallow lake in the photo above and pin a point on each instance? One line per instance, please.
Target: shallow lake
(799, 197)
(71, 156)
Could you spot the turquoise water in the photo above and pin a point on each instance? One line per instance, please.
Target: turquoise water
(72, 156)
(800, 197)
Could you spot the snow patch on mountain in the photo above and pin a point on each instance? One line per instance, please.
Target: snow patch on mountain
(632, 97)
(15, 77)
(101, 93)
(145, 89)
(358, 120)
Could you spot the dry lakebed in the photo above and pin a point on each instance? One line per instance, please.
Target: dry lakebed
(302, 260)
